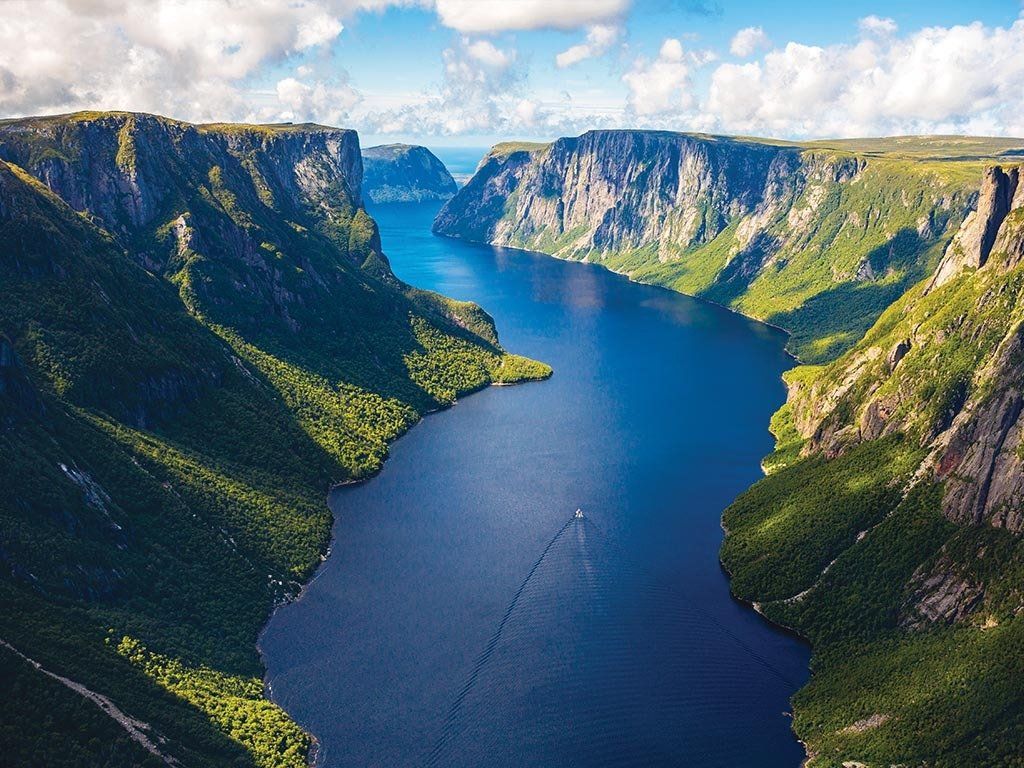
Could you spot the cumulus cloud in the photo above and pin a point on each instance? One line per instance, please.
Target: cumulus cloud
(476, 16)
(661, 85)
(526, 112)
(202, 59)
(600, 38)
(197, 59)
(962, 78)
(748, 41)
(489, 54)
(326, 102)
(187, 58)
(479, 92)
(876, 25)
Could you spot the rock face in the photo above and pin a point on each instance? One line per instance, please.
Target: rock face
(402, 173)
(898, 484)
(972, 244)
(260, 212)
(137, 159)
(199, 334)
(610, 191)
(940, 594)
(139, 167)
(980, 455)
(947, 368)
(780, 232)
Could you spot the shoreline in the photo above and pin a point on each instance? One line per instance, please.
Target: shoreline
(631, 279)
(313, 757)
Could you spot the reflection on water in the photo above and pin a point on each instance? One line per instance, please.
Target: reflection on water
(439, 634)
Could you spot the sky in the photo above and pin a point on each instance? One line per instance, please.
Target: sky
(473, 72)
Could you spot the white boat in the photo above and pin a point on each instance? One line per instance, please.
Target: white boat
(579, 514)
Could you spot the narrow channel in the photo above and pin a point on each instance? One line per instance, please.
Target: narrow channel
(467, 617)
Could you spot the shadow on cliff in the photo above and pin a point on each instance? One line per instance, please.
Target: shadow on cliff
(829, 323)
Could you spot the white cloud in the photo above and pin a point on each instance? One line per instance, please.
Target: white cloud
(526, 112)
(934, 80)
(489, 54)
(662, 85)
(320, 28)
(671, 50)
(196, 59)
(320, 102)
(748, 41)
(479, 92)
(876, 25)
(600, 38)
(502, 15)
(187, 58)
(734, 93)
(199, 60)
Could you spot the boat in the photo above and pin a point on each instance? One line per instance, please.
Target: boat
(579, 514)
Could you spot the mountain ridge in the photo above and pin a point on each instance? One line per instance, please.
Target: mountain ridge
(780, 231)
(405, 173)
(888, 530)
(200, 334)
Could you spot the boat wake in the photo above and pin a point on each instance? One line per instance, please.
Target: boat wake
(601, 664)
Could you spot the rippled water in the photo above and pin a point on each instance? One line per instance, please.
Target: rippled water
(467, 618)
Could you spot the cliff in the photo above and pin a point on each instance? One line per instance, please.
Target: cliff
(818, 239)
(943, 366)
(889, 530)
(973, 242)
(199, 334)
(400, 173)
(609, 191)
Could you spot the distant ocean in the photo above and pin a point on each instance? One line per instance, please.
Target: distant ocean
(460, 161)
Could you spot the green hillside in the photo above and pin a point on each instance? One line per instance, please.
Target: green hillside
(816, 237)
(199, 335)
(829, 264)
(888, 531)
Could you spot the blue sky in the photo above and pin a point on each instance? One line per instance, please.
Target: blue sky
(412, 40)
(471, 72)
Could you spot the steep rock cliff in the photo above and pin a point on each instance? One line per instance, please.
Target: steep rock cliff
(401, 173)
(889, 530)
(612, 191)
(815, 239)
(973, 242)
(130, 169)
(198, 334)
(244, 195)
(944, 365)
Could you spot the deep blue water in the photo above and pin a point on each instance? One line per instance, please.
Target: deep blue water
(467, 618)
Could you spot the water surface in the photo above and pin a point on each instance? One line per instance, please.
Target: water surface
(467, 618)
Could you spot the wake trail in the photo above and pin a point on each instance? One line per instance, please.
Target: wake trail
(592, 653)
(474, 675)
